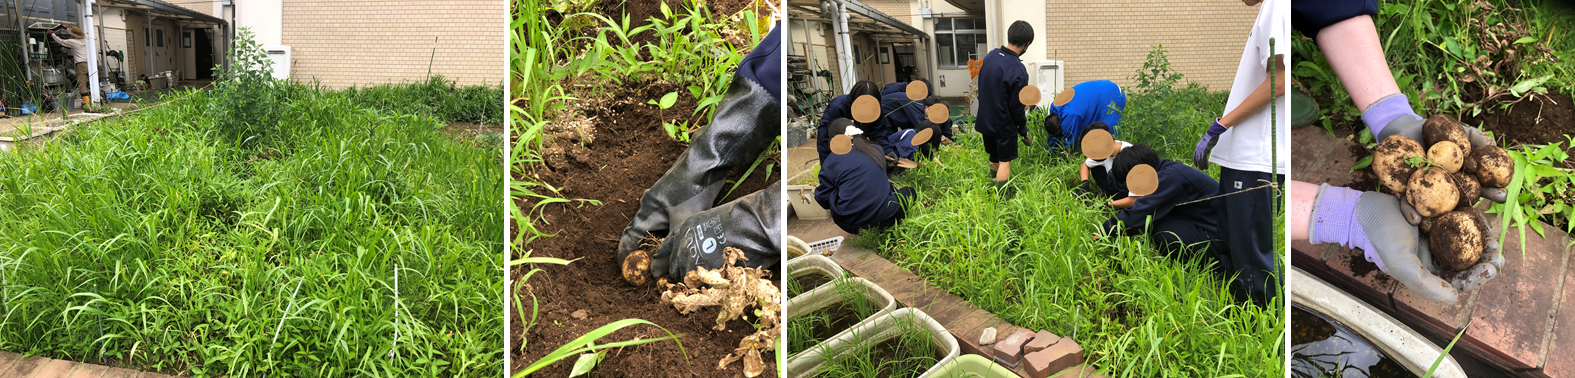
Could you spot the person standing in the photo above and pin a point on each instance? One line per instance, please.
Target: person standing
(1001, 115)
(1240, 142)
(77, 44)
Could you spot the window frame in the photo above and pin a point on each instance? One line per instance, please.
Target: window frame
(978, 32)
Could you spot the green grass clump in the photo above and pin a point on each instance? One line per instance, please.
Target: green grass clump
(151, 241)
(1036, 260)
(911, 352)
(801, 284)
(437, 97)
(806, 330)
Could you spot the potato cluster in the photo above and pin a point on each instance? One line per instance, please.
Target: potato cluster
(1441, 178)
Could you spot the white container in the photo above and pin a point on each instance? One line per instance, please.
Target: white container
(811, 264)
(825, 296)
(874, 331)
(803, 199)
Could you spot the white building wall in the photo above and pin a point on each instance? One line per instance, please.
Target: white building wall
(264, 17)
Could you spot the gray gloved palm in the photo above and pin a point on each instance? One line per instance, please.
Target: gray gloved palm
(1401, 252)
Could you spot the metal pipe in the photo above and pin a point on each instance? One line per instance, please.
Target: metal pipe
(809, 52)
(91, 44)
(851, 72)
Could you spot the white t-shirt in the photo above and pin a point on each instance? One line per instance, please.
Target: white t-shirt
(1107, 163)
(1245, 147)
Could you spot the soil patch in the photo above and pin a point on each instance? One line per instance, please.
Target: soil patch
(1536, 120)
(628, 153)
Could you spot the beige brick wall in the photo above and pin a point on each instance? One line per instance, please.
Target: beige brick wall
(1110, 40)
(898, 9)
(364, 42)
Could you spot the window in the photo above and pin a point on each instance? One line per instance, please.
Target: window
(185, 40)
(147, 37)
(160, 34)
(959, 39)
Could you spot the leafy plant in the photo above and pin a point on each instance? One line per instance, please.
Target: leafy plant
(1537, 189)
(587, 344)
(249, 109)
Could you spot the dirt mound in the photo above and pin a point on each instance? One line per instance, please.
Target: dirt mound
(628, 153)
(1536, 120)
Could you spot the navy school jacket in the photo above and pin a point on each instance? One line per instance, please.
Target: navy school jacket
(855, 189)
(1178, 183)
(1000, 111)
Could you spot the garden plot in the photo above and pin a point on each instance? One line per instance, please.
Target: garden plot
(595, 132)
(1036, 259)
(340, 240)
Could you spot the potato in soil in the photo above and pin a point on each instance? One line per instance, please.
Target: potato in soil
(637, 268)
(1443, 128)
(1456, 241)
(1447, 155)
(1389, 161)
(1468, 186)
(1494, 167)
(1432, 192)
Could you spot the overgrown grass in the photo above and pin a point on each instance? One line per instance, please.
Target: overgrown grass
(151, 241)
(437, 97)
(1037, 261)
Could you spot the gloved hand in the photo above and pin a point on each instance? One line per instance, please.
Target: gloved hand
(745, 124)
(1374, 222)
(750, 223)
(1200, 155)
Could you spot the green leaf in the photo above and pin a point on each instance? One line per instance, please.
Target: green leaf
(1525, 40)
(1365, 162)
(1527, 85)
(586, 362)
(670, 98)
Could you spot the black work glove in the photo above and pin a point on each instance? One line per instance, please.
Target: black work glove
(751, 223)
(745, 124)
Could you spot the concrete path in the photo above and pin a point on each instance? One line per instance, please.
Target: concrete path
(1522, 322)
(13, 365)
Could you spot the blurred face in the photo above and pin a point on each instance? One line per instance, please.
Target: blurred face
(1251, 2)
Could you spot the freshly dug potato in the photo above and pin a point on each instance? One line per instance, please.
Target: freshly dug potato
(1494, 167)
(637, 268)
(1470, 189)
(1469, 165)
(1443, 128)
(1389, 161)
(1446, 154)
(1456, 241)
(1425, 226)
(1432, 192)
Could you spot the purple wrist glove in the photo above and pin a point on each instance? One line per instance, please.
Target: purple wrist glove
(1200, 156)
(1377, 224)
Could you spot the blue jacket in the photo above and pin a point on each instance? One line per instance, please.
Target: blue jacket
(900, 112)
(1091, 103)
(1178, 183)
(1000, 80)
(854, 188)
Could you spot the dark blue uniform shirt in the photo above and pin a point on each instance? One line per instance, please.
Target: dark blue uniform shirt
(1000, 80)
(839, 107)
(1178, 183)
(854, 188)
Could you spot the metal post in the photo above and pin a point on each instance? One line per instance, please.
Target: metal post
(91, 44)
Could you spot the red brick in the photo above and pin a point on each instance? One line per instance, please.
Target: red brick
(25, 367)
(1321, 158)
(1063, 355)
(1561, 354)
(55, 369)
(88, 371)
(1511, 313)
(1009, 351)
(121, 373)
(7, 359)
(1043, 339)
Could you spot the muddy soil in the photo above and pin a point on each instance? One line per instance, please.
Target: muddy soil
(804, 283)
(628, 153)
(1536, 120)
